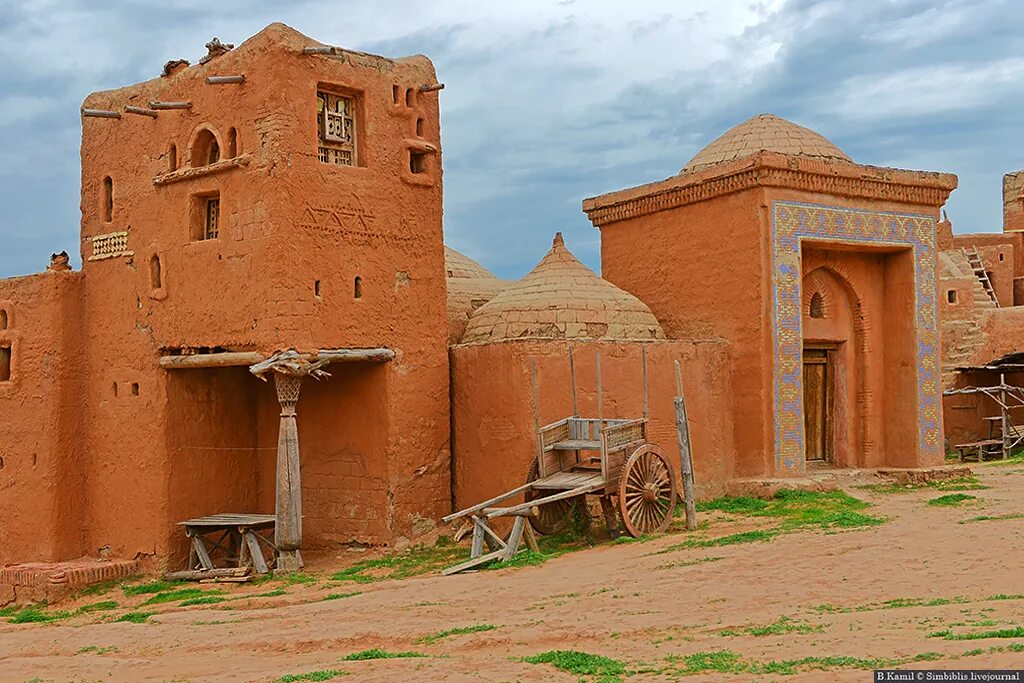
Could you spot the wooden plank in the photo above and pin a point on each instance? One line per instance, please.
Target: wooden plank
(494, 541)
(255, 552)
(197, 574)
(224, 359)
(531, 539)
(487, 503)
(576, 445)
(514, 539)
(200, 548)
(375, 355)
(478, 539)
(516, 509)
(473, 562)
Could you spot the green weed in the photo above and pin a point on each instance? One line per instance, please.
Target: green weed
(96, 650)
(180, 594)
(297, 578)
(992, 518)
(966, 483)
(135, 617)
(103, 606)
(339, 596)
(203, 600)
(269, 594)
(951, 500)
(434, 637)
(157, 586)
(605, 669)
(783, 625)
(37, 614)
(686, 563)
(100, 588)
(1014, 632)
(322, 675)
(377, 653)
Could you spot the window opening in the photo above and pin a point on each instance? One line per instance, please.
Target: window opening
(336, 129)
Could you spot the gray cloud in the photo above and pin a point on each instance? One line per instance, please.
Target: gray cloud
(548, 103)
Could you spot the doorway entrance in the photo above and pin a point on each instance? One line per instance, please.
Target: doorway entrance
(818, 378)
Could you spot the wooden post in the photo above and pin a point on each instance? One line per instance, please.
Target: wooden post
(643, 366)
(572, 382)
(288, 506)
(1004, 414)
(685, 458)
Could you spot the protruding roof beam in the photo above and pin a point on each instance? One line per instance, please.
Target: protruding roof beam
(170, 105)
(142, 111)
(101, 113)
(224, 80)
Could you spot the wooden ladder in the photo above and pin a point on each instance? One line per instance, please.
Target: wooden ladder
(974, 259)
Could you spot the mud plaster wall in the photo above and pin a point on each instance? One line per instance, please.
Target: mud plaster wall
(494, 438)
(1013, 201)
(709, 257)
(41, 473)
(999, 254)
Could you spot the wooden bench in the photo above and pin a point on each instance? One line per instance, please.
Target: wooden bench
(239, 540)
(977, 449)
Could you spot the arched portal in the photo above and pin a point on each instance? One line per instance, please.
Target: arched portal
(832, 370)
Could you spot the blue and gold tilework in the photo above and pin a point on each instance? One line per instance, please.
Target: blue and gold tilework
(792, 223)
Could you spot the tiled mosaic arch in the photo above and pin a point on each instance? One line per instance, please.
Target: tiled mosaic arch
(794, 222)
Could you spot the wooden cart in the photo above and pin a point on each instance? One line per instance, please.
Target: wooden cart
(576, 457)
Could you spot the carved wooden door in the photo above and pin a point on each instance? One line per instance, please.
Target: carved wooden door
(816, 404)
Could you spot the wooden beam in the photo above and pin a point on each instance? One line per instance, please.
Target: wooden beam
(432, 87)
(379, 355)
(101, 113)
(224, 359)
(224, 80)
(170, 105)
(142, 111)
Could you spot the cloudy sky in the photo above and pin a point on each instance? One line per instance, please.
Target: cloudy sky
(550, 102)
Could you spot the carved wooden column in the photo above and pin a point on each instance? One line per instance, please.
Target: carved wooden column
(288, 494)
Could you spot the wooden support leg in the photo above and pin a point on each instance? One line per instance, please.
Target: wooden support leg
(204, 557)
(531, 539)
(256, 552)
(610, 519)
(478, 539)
(514, 539)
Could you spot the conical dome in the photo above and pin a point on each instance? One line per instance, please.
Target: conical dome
(764, 132)
(458, 265)
(562, 299)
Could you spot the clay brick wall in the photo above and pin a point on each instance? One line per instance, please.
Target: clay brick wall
(494, 438)
(40, 450)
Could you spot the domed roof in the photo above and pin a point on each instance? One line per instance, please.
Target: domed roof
(562, 299)
(470, 286)
(764, 132)
(458, 265)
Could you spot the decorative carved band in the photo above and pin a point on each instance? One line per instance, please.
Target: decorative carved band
(766, 176)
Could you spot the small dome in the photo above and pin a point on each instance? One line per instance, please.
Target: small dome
(459, 265)
(765, 132)
(562, 299)
(470, 286)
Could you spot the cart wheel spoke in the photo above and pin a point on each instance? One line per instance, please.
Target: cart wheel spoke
(647, 491)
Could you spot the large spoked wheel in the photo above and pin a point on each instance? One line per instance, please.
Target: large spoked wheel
(647, 491)
(551, 518)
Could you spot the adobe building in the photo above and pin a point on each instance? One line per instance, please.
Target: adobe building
(278, 195)
(820, 275)
(561, 308)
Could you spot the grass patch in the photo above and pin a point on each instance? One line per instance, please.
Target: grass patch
(96, 650)
(180, 594)
(966, 483)
(36, 614)
(339, 596)
(728, 662)
(605, 669)
(1014, 632)
(204, 600)
(1016, 459)
(150, 587)
(321, 675)
(269, 594)
(104, 606)
(440, 635)
(795, 509)
(135, 617)
(992, 518)
(377, 653)
(757, 536)
(777, 628)
(687, 563)
(419, 559)
(951, 500)
(100, 588)
(297, 578)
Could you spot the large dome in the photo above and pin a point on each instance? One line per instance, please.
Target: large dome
(562, 299)
(764, 132)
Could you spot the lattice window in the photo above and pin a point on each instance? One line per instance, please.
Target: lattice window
(211, 223)
(817, 306)
(336, 129)
(109, 245)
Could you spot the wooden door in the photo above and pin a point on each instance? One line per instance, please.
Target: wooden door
(817, 399)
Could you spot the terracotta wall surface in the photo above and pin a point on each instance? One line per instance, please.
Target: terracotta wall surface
(1013, 201)
(1001, 255)
(41, 472)
(494, 438)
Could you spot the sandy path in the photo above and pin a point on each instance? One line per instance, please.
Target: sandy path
(621, 601)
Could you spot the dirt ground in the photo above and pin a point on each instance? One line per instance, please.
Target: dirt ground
(845, 599)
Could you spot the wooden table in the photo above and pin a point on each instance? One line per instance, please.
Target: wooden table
(241, 534)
